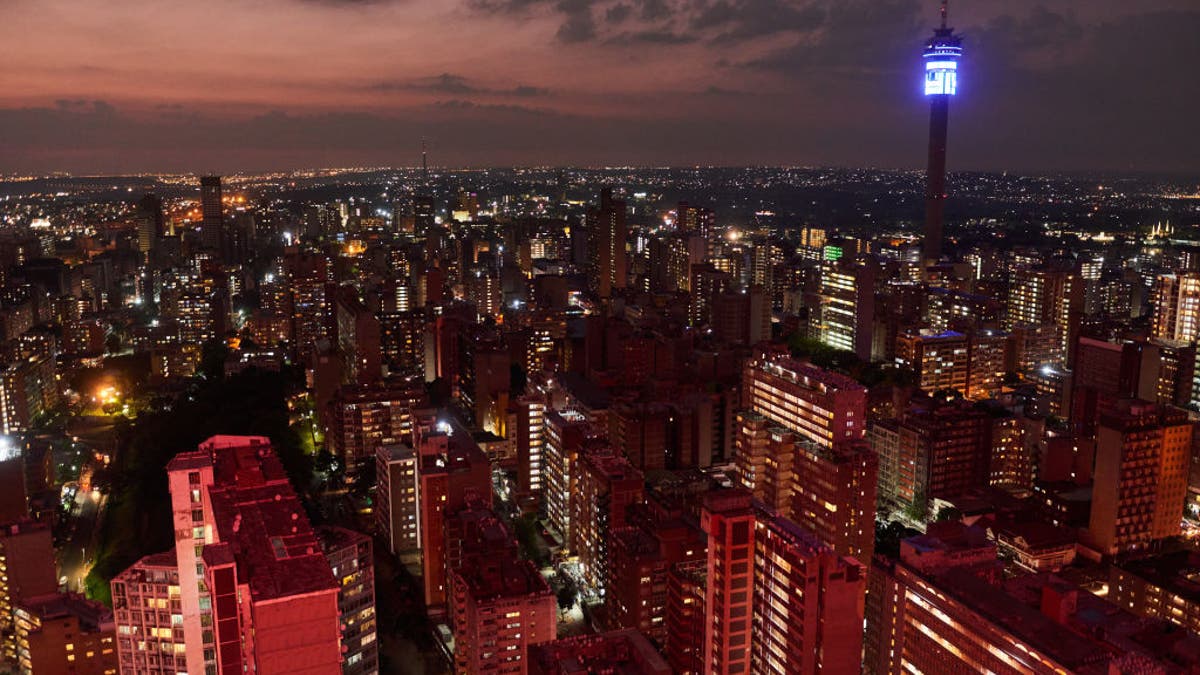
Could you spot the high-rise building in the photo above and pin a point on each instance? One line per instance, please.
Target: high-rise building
(402, 341)
(808, 602)
(940, 360)
(608, 484)
(397, 498)
(607, 234)
(639, 432)
(148, 612)
(933, 450)
(362, 419)
(764, 455)
(501, 606)
(1177, 307)
(65, 635)
(1041, 297)
(729, 521)
(941, 55)
(989, 359)
(255, 592)
(846, 315)
(1143, 456)
(481, 286)
(358, 338)
(778, 600)
(945, 607)
(566, 432)
(455, 475)
(28, 388)
(821, 406)
(531, 445)
(150, 223)
(350, 559)
(834, 494)
(26, 572)
(212, 223)
(308, 276)
(641, 557)
(686, 622)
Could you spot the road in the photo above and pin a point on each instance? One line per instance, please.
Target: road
(76, 553)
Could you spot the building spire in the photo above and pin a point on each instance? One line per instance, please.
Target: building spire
(424, 162)
(945, 11)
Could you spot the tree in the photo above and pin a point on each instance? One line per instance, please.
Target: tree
(517, 377)
(566, 596)
(252, 403)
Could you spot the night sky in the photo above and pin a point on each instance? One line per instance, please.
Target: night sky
(227, 85)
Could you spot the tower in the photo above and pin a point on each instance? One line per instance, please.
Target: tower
(212, 223)
(423, 206)
(941, 56)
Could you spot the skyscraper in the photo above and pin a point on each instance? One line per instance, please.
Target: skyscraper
(254, 590)
(778, 599)
(212, 220)
(607, 232)
(1142, 458)
(942, 53)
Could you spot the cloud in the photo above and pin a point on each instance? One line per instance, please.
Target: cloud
(579, 24)
(448, 83)
(652, 37)
(740, 20)
(618, 13)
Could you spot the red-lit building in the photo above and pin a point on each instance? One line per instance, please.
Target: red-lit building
(944, 607)
(608, 485)
(500, 607)
(639, 431)
(26, 571)
(729, 521)
(834, 496)
(148, 612)
(255, 591)
(800, 449)
(454, 473)
(778, 598)
(686, 623)
(808, 602)
(641, 558)
(822, 407)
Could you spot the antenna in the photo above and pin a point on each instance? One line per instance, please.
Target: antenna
(945, 7)
(424, 162)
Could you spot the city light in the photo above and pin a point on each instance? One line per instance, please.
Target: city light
(9, 449)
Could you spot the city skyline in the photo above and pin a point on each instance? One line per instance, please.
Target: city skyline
(701, 420)
(291, 84)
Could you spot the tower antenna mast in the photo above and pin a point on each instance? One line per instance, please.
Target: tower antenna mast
(424, 163)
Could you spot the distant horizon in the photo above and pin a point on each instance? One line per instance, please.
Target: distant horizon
(15, 177)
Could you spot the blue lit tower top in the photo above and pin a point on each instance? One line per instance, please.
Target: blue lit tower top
(941, 60)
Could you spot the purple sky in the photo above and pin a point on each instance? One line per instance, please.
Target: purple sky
(225, 85)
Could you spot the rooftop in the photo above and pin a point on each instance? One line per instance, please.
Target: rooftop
(1177, 572)
(620, 652)
(258, 514)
